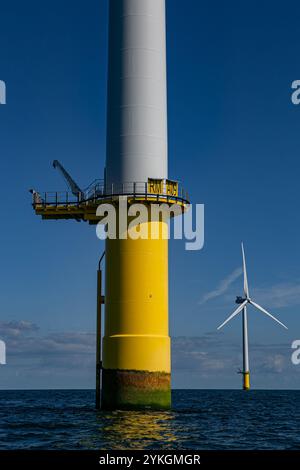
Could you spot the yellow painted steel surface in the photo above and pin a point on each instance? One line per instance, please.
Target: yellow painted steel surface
(86, 211)
(160, 186)
(246, 381)
(136, 304)
(172, 188)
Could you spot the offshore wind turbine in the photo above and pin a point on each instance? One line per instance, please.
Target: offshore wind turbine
(136, 345)
(243, 302)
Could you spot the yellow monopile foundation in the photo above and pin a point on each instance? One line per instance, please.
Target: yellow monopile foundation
(136, 345)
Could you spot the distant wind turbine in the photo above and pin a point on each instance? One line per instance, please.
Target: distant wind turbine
(243, 302)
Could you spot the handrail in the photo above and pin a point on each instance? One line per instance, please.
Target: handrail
(98, 191)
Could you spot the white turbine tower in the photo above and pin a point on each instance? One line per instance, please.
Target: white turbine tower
(243, 302)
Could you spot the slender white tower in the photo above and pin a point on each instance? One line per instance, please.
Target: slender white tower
(246, 370)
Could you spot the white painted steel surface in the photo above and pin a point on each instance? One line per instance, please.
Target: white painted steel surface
(137, 92)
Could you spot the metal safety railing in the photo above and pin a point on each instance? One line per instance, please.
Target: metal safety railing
(98, 191)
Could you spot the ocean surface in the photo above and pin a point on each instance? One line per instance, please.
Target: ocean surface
(199, 420)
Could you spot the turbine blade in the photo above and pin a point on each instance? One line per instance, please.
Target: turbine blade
(246, 288)
(267, 313)
(236, 312)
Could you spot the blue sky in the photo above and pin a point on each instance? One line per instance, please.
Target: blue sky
(233, 142)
